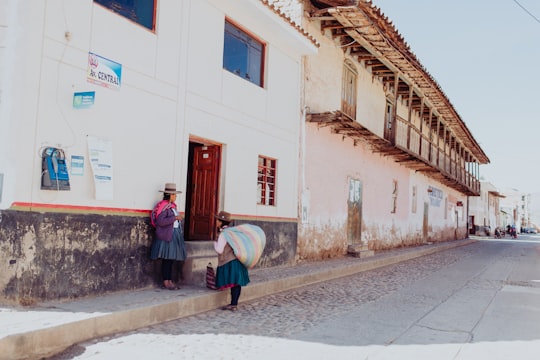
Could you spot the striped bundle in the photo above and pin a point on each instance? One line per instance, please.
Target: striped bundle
(247, 242)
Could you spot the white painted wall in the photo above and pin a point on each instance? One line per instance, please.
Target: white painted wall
(173, 87)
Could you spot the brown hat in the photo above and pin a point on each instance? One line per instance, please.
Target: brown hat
(224, 216)
(170, 188)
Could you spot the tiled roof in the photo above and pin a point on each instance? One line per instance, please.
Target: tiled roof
(281, 14)
(370, 28)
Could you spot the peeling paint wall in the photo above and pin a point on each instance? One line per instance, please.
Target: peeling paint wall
(331, 161)
(48, 256)
(281, 243)
(399, 207)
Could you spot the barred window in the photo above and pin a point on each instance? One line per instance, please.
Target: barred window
(414, 199)
(266, 181)
(394, 196)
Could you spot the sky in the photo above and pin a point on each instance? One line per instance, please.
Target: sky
(485, 55)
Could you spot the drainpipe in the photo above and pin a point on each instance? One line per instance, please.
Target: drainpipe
(468, 218)
(304, 195)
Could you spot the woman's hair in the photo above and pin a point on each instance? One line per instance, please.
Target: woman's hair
(166, 196)
(224, 224)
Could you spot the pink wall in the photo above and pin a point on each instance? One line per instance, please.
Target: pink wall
(329, 163)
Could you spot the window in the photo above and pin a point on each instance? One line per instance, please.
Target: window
(414, 199)
(142, 12)
(243, 54)
(394, 196)
(348, 90)
(266, 181)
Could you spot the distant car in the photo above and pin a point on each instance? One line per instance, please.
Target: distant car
(532, 231)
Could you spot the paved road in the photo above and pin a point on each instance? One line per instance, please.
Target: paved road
(480, 301)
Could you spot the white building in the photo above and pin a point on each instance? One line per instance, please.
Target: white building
(485, 211)
(120, 100)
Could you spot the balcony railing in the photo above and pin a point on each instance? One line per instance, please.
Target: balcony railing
(410, 148)
(411, 140)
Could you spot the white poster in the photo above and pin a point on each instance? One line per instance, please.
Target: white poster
(101, 162)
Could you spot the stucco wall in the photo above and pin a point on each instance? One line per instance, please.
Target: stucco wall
(331, 161)
(323, 74)
(173, 89)
(48, 256)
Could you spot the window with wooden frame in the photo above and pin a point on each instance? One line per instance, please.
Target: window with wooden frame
(414, 199)
(348, 90)
(394, 196)
(266, 181)
(143, 12)
(243, 54)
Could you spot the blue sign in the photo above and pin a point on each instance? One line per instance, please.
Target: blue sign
(83, 100)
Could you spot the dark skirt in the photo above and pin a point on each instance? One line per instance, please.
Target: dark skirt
(231, 274)
(172, 250)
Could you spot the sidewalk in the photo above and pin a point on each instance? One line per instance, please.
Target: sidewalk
(48, 328)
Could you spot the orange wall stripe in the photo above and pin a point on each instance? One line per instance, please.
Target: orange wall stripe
(76, 209)
(24, 206)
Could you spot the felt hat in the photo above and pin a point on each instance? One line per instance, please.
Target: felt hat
(224, 216)
(170, 188)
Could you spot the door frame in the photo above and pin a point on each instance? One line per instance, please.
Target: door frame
(195, 142)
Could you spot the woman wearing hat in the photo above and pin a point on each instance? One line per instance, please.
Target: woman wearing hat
(168, 243)
(230, 272)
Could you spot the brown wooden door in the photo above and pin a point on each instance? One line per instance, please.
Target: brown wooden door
(354, 215)
(204, 189)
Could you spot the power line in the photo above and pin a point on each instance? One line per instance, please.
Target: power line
(527, 11)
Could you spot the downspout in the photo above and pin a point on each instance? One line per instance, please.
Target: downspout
(468, 218)
(304, 193)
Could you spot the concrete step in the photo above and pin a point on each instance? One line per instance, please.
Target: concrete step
(360, 251)
(199, 253)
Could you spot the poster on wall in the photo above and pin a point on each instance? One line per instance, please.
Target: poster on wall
(77, 165)
(101, 163)
(104, 72)
(435, 196)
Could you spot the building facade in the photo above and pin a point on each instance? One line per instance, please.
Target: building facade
(387, 160)
(103, 102)
(485, 212)
(312, 119)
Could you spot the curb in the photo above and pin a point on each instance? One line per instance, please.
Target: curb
(41, 343)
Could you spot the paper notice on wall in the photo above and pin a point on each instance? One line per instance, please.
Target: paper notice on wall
(101, 163)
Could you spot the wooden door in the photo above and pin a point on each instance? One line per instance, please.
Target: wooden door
(425, 224)
(204, 192)
(354, 214)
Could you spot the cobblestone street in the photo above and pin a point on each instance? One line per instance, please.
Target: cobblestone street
(292, 312)
(435, 306)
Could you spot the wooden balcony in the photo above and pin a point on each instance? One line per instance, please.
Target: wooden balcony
(410, 148)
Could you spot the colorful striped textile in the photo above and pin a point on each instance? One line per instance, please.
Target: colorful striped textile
(247, 242)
